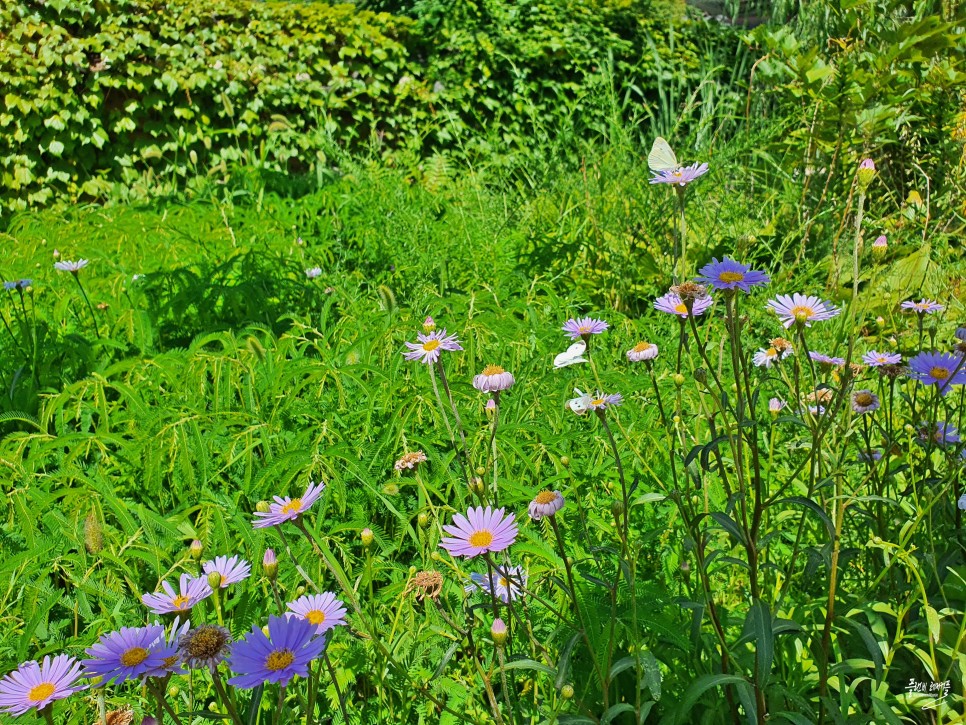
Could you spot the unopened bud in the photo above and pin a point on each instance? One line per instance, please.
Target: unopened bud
(880, 245)
(617, 508)
(423, 519)
(367, 537)
(490, 407)
(678, 379)
(195, 550)
(565, 461)
(429, 324)
(866, 174)
(480, 470)
(270, 565)
(193, 157)
(435, 555)
(214, 580)
(498, 632)
(174, 691)
(262, 507)
(701, 375)
(880, 321)
(567, 692)
(56, 254)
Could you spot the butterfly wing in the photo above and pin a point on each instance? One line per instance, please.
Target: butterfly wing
(662, 157)
(573, 355)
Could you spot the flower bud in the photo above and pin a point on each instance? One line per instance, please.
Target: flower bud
(262, 507)
(270, 565)
(435, 556)
(195, 550)
(617, 508)
(490, 407)
(701, 375)
(174, 691)
(193, 157)
(866, 174)
(367, 537)
(567, 692)
(429, 324)
(880, 321)
(880, 245)
(56, 254)
(480, 470)
(678, 379)
(214, 580)
(423, 520)
(565, 461)
(498, 632)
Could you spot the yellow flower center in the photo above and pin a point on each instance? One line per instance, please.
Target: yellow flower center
(771, 352)
(480, 539)
(545, 497)
(597, 401)
(279, 660)
(316, 617)
(802, 313)
(642, 347)
(731, 276)
(134, 656)
(680, 308)
(169, 662)
(430, 345)
(493, 370)
(677, 173)
(863, 399)
(180, 602)
(939, 373)
(503, 582)
(40, 692)
(292, 507)
(583, 329)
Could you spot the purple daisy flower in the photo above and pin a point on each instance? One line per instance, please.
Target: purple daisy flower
(936, 368)
(493, 379)
(681, 176)
(506, 584)
(583, 327)
(232, 570)
(775, 405)
(942, 433)
(877, 359)
(823, 359)
(961, 334)
(323, 610)
(72, 267)
(192, 591)
(480, 531)
(287, 651)
(801, 309)
(17, 284)
(287, 509)
(35, 685)
(172, 663)
(431, 345)
(602, 402)
(731, 275)
(128, 653)
(672, 304)
(923, 306)
(864, 401)
(546, 503)
(870, 456)
(642, 351)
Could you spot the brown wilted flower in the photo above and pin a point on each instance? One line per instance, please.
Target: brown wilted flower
(426, 584)
(123, 716)
(690, 292)
(781, 345)
(410, 460)
(891, 371)
(822, 395)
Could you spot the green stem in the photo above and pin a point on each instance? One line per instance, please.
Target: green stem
(90, 307)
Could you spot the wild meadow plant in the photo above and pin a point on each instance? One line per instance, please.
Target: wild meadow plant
(786, 452)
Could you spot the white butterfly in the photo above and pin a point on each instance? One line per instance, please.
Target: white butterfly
(662, 157)
(581, 404)
(573, 355)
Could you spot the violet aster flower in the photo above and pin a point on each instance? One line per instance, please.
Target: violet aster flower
(35, 685)
(923, 306)
(479, 532)
(172, 663)
(505, 583)
(681, 176)
(602, 402)
(642, 351)
(942, 433)
(801, 309)
(766, 357)
(70, 266)
(961, 334)
(128, 653)
(493, 379)
(232, 570)
(17, 285)
(322, 610)
(775, 405)
(731, 275)
(673, 305)
(864, 401)
(584, 327)
(870, 456)
(823, 359)
(191, 591)
(877, 359)
(431, 345)
(936, 368)
(546, 503)
(204, 646)
(288, 509)
(313, 272)
(287, 651)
